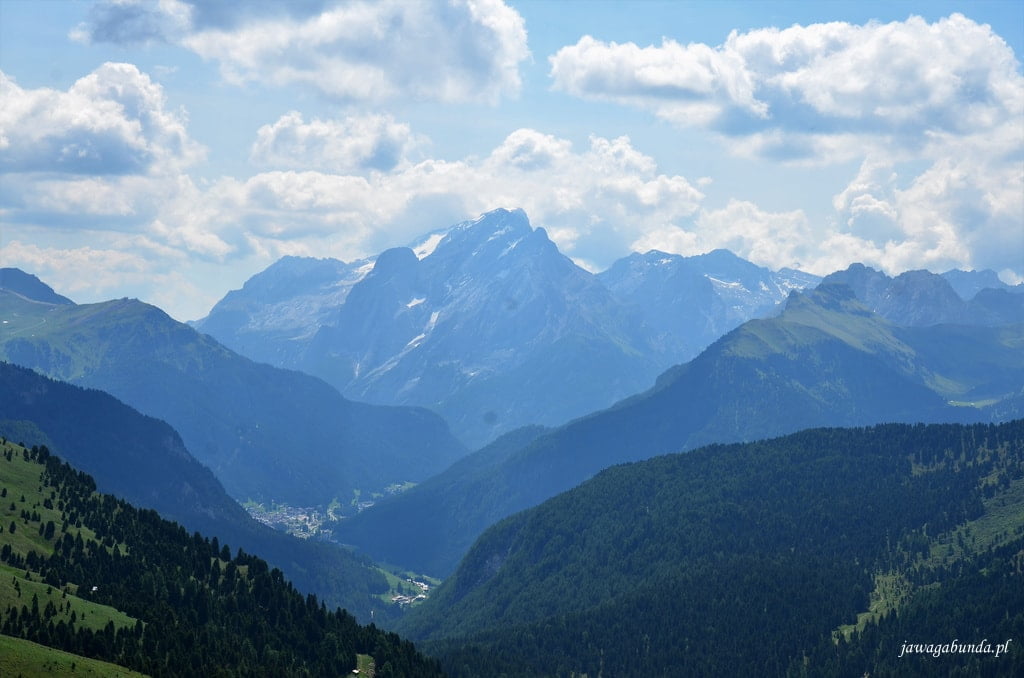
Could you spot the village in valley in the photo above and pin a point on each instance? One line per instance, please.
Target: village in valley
(312, 522)
(404, 600)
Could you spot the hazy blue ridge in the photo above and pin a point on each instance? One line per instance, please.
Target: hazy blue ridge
(267, 433)
(144, 461)
(825, 360)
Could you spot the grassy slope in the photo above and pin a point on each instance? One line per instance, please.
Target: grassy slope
(22, 478)
(24, 658)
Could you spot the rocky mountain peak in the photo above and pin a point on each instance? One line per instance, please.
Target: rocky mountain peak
(393, 262)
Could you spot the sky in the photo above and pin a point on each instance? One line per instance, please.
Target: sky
(168, 150)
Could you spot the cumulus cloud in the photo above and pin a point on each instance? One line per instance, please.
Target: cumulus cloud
(594, 201)
(931, 111)
(773, 239)
(105, 156)
(448, 50)
(960, 212)
(113, 121)
(352, 145)
(812, 92)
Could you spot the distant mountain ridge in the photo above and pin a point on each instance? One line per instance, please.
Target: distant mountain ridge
(968, 283)
(488, 324)
(277, 312)
(268, 434)
(688, 302)
(825, 360)
(921, 298)
(29, 286)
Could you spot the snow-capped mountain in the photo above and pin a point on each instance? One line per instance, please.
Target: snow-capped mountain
(487, 323)
(494, 328)
(278, 311)
(688, 302)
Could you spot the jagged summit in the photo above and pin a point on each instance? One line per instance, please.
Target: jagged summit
(489, 324)
(491, 236)
(500, 224)
(920, 298)
(497, 221)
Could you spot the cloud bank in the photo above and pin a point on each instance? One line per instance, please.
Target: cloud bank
(947, 94)
(445, 50)
(931, 115)
(816, 92)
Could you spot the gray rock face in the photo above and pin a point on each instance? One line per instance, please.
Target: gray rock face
(922, 299)
(490, 325)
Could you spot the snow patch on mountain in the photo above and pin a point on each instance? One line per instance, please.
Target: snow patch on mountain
(511, 247)
(728, 284)
(426, 247)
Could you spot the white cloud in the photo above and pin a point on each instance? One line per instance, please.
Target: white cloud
(820, 91)
(960, 212)
(104, 157)
(932, 112)
(113, 121)
(773, 239)
(447, 50)
(606, 194)
(691, 84)
(351, 145)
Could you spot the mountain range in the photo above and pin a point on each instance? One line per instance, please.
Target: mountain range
(267, 433)
(489, 325)
(825, 360)
(486, 321)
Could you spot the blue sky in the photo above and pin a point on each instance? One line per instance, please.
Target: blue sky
(169, 150)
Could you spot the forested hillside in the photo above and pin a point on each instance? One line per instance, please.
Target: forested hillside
(742, 559)
(92, 575)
